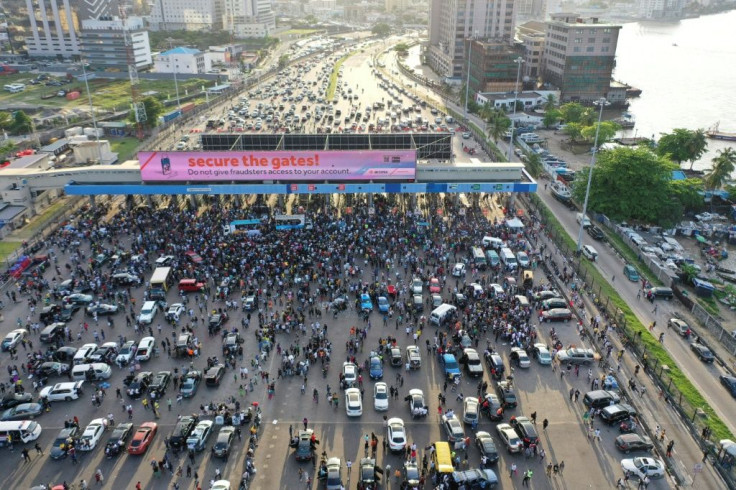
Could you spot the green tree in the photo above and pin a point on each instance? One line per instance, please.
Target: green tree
(574, 130)
(401, 49)
(723, 166)
(683, 145)
(497, 124)
(572, 112)
(689, 192)
(154, 108)
(631, 184)
(550, 102)
(606, 133)
(381, 30)
(22, 123)
(283, 60)
(551, 117)
(6, 147)
(6, 120)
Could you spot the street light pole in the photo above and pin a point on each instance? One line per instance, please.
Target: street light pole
(176, 83)
(467, 77)
(518, 61)
(91, 109)
(602, 102)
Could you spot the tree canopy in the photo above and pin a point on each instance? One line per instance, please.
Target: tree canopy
(723, 167)
(381, 29)
(683, 145)
(572, 112)
(154, 108)
(632, 184)
(21, 124)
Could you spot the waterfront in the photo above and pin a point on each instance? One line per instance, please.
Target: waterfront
(686, 72)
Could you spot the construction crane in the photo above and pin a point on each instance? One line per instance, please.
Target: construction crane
(139, 108)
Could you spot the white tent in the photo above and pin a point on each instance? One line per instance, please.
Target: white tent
(515, 223)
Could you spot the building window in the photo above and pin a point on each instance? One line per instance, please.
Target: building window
(576, 49)
(591, 40)
(606, 40)
(590, 49)
(578, 40)
(605, 49)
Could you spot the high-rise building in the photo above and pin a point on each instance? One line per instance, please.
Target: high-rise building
(530, 10)
(189, 15)
(492, 66)
(661, 9)
(104, 48)
(96, 9)
(392, 5)
(451, 22)
(248, 18)
(53, 29)
(579, 56)
(532, 36)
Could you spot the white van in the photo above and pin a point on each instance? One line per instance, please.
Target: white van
(101, 370)
(80, 357)
(590, 252)
(579, 218)
(441, 314)
(508, 258)
(492, 242)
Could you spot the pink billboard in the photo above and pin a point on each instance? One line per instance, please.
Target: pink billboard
(175, 166)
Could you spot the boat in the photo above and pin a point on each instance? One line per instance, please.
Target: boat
(716, 134)
(560, 191)
(626, 120)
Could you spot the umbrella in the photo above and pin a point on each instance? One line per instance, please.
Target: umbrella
(105, 385)
(700, 238)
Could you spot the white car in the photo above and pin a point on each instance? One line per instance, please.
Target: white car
(198, 438)
(510, 438)
(414, 357)
(14, 338)
(350, 374)
(470, 409)
(92, 435)
(164, 261)
(380, 397)
(416, 286)
(126, 353)
(519, 356)
(145, 349)
(148, 312)
(642, 466)
(62, 391)
(458, 270)
(220, 485)
(82, 355)
(175, 312)
(542, 354)
(497, 289)
(523, 259)
(353, 402)
(396, 434)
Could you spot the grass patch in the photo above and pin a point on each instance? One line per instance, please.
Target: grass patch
(40, 221)
(683, 391)
(332, 87)
(124, 147)
(631, 257)
(299, 32)
(710, 305)
(7, 248)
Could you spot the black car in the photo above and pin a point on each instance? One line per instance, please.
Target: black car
(368, 478)
(11, 400)
(730, 383)
(232, 343)
(596, 233)
(51, 333)
(49, 314)
(50, 368)
(64, 354)
(506, 394)
(472, 362)
(214, 375)
(524, 427)
(139, 384)
(225, 438)
(617, 413)
(395, 355)
(216, 322)
(67, 312)
(62, 442)
(486, 446)
(159, 384)
(633, 442)
(303, 445)
(460, 300)
(116, 442)
(102, 309)
(703, 353)
(183, 428)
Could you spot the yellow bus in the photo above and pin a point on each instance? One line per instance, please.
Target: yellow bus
(442, 458)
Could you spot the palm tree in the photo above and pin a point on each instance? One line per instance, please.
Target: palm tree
(696, 146)
(550, 102)
(497, 124)
(723, 166)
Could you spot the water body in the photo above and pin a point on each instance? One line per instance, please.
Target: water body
(686, 71)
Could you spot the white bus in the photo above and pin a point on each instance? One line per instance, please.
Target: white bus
(14, 88)
(20, 431)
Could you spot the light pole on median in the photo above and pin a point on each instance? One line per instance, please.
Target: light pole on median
(467, 77)
(518, 61)
(602, 102)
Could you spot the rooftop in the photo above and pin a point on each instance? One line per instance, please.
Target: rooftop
(180, 50)
(27, 161)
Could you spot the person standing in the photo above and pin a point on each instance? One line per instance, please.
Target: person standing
(349, 465)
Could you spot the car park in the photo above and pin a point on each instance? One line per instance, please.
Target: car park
(142, 438)
(510, 438)
(198, 438)
(396, 434)
(380, 397)
(703, 353)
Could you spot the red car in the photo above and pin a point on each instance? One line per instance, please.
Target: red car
(434, 285)
(142, 438)
(194, 257)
